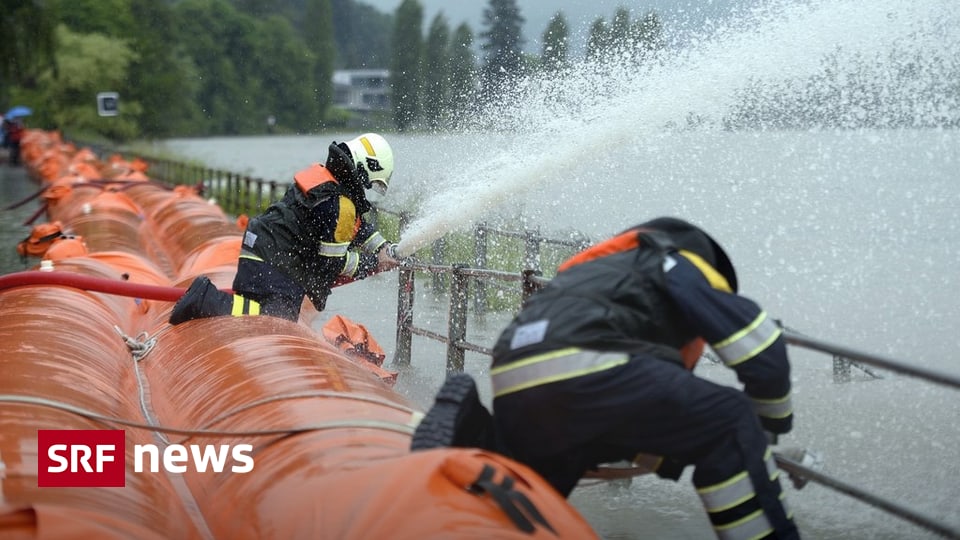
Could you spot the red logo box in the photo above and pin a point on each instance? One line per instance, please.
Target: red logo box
(81, 458)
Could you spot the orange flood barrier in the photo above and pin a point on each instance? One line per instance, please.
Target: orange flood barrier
(84, 345)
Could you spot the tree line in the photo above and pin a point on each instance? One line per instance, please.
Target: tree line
(223, 67)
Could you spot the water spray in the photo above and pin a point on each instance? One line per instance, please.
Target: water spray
(564, 130)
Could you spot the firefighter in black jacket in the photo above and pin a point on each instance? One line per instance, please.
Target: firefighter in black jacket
(307, 240)
(597, 368)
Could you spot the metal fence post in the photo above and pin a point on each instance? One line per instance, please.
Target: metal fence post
(273, 192)
(259, 197)
(531, 244)
(457, 321)
(437, 256)
(529, 287)
(246, 207)
(480, 261)
(404, 316)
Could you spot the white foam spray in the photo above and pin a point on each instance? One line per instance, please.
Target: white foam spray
(595, 114)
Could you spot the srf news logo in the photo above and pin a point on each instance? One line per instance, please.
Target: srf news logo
(81, 458)
(97, 458)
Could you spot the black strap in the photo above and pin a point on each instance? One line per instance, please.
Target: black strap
(512, 502)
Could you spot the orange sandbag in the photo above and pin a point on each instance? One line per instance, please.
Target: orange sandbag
(41, 238)
(354, 340)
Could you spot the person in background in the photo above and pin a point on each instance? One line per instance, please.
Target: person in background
(306, 241)
(12, 135)
(598, 368)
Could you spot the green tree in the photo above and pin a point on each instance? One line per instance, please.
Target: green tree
(282, 61)
(362, 35)
(215, 35)
(502, 44)
(463, 71)
(598, 40)
(87, 63)
(110, 18)
(161, 77)
(319, 37)
(28, 42)
(648, 36)
(405, 70)
(436, 87)
(555, 44)
(619, 35)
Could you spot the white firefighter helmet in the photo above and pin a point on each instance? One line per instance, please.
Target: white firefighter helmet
(373, 154)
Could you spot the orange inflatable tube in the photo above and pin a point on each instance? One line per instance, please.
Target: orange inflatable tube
(328, 438)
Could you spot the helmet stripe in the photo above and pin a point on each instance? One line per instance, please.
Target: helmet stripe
(367, 146)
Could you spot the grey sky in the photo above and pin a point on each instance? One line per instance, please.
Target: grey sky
(580, 14)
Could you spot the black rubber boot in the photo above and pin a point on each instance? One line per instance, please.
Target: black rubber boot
(202, 299)
(457, 418)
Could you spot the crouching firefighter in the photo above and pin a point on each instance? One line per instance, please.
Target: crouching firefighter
(304, 242)
(598, 368)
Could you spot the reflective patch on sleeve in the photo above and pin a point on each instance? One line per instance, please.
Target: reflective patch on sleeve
(774, 408)
(668, 263)
(528, 334)
(350, 263)
(329, 249)
(249, 239)
(749, 341)
(727, 494)
(373, 243)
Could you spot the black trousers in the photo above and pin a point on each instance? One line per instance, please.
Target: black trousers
(650, 406)
(278, 294)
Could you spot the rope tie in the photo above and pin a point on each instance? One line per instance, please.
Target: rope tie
(139, 346)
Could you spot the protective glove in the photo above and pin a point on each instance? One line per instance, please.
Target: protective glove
(387, 257)
(801, 456)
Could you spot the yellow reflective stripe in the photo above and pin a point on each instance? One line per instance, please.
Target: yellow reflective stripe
(786, 507)
(373, 243)
(771, 463)
(773, 408)
(716, 279)
(350, 263)
(749, 341)
(237, 305)
(243, 306)
(551, 367)
(367, 146)
(346, 221)
(333, 249)
(750, 527)
(244, 254)
(727, 494)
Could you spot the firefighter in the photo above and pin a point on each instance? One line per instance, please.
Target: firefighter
(598, 368)
(304, 242)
